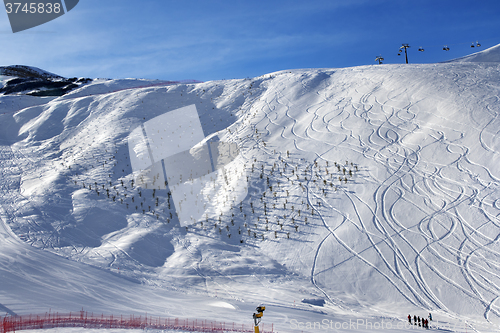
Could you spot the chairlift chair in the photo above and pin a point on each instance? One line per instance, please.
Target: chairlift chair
(446, 48)
(477, 44)
(421, 49)
(472, 45)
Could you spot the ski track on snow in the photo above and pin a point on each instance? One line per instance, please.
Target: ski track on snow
(421, 214)
(405, 269)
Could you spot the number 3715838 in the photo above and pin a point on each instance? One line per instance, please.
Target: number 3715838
(32, 8)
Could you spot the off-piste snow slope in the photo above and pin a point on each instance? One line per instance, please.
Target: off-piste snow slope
(491, 54)
(373, 192)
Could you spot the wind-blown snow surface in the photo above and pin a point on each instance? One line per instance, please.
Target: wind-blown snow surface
(375, 190)
(491, 54)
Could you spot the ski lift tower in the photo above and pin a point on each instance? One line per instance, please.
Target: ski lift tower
(405, 46)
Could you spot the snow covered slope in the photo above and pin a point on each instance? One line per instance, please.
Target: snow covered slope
(373, 192)
(489, 55)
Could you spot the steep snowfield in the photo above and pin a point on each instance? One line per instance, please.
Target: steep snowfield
(489, 55)
(373, 192)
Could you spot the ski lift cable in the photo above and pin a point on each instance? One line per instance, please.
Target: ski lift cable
(445, 47)
(477, 41)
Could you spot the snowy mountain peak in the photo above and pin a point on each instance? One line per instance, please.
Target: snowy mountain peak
(26, 72)
(25, 80)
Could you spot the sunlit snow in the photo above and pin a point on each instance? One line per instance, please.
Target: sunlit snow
(373, 193)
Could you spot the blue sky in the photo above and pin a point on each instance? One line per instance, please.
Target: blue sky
(208, 40)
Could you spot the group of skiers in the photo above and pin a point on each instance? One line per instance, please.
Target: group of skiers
(423, 322)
